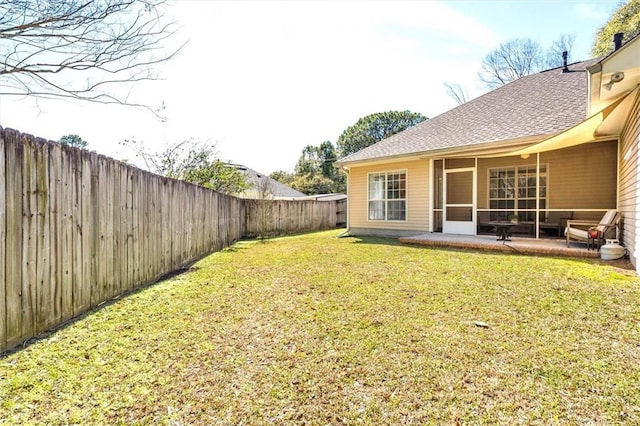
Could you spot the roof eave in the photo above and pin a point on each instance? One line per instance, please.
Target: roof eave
(476, 150)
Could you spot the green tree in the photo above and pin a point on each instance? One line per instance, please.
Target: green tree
(375, 127)
(283, 177)
(317, 160)
(309, 162)
(194, 162)
(315, 172)
(327, 156)
(313, 184)
(217, 175)
(625, 19)
(74, 141)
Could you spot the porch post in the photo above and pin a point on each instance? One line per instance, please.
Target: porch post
(431, 194)
(474, 209)
(536, 220)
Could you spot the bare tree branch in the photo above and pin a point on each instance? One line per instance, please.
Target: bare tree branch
(456, 92)
(89, 50)
(512, 60)
(564, 43)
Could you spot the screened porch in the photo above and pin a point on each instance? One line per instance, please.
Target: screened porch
(539, 192)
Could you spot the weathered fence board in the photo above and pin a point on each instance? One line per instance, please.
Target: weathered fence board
(87, 225)
(42, 268)
(55, 224)
(80, 293)
(116, 206)
(3, 250)
(165, 229)
(130, 281)
(110, 235)
(13, 271)
(29, 237)
(78, 229)
(66, 222)
(101, 206)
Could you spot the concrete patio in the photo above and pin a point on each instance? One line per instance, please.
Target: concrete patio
(518, 245)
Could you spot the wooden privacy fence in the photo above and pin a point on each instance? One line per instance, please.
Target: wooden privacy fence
(78, 229)
(280, 217)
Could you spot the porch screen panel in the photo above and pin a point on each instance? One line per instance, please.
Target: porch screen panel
(460, 188)
(512, 190)
(460, 214)
(459, 196)
(438, 198)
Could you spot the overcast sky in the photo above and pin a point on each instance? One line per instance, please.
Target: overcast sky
(264, 79)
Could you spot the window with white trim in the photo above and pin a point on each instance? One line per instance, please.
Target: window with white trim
(388, 196)
(512, 191)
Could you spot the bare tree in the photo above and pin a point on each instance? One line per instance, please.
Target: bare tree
(522, 56)
(512, 60)
(264, 188)
(563, 44)
(90, 50)
(456, 92)
(263, 203)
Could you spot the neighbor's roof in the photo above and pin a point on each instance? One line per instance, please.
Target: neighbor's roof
(275, 188)
(535, 105)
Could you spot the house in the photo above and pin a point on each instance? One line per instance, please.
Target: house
(559, 144)
(262, 186)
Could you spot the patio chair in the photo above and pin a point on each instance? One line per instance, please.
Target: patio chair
(578, 229)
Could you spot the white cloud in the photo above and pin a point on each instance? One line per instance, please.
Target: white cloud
(595, 12)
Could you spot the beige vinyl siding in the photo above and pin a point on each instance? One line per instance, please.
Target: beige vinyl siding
(581, 177)
(417, 197)
(459, 163)
(629, 192)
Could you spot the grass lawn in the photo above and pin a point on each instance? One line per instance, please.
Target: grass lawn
(317, 330)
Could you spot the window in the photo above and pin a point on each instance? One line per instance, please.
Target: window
(512, 190)
(388, 196)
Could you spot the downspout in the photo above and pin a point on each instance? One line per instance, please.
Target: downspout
(346, 232)
(618, 164)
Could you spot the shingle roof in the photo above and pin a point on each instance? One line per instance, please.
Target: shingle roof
(275, 188)
(539, 104)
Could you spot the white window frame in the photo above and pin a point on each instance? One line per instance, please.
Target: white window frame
(537, 197)
(384, 196)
